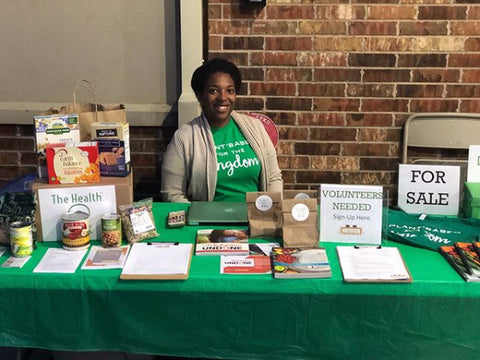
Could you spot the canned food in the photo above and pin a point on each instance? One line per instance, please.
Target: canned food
(111, 230)
(75, 231)
(21, 239)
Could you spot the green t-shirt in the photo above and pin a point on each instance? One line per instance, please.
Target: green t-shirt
(238, 169)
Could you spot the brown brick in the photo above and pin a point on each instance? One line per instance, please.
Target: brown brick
(142, 159)
(337, 43)
(243, 42)
(282, 118)
(323, 119)
(17, 144)
(23, 130)
(372, 28)
(268, 27)
(388, 44)
(147, 145)
(145, 172)
(368, 178)
(365, 149)
(10, 158)
(9, 172)
(274, 58)
(436, 105)
(28, 158)
(145, 132)
(311, 148)
(290, 12)
(239, 11)
(464, 60)
(289, 103)
(370, 90)
(381, 12)
(214, 11)
(472, 44)
(420, 91)
(336, 104)
(238, 58)
(289, 177)
(470, 106)
(251, 73)
(377, 120)
(9, 130)
(471, 76)
(423, 28)
(335, 134)
(288, 43)
(473, 12)
(318, 177)
(293, 133)
(294, 162)
(379, 163)
(435, 75)
(275, 89)
(215, 42)
(422, 60)
(285, 148)
(464, 28)
(463, 91)
(442, 12)
(230, 27)
(328, 59)
(340, 12)
(288, 74)
(335, 163)
(374, 134)
(388, 76)
(342, 74)
(322, 28)
(372, 60)
(250, 103)
(311, 89)
(383, 105)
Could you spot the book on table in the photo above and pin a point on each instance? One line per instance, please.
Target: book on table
(455, 256)
(221, 242)
(300, 263)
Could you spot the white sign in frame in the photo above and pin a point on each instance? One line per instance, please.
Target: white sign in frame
(55, 202)
(429, 189)
(351, 213)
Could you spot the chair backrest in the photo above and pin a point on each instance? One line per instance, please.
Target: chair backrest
(440, 131)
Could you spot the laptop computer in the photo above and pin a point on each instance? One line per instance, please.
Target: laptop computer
(217, 212)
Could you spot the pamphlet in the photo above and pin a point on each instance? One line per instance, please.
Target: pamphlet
(249, 264)
(221, 242)
(15, 262)
(372, 264)
(157, 260)
(106, 258)
(58, 260)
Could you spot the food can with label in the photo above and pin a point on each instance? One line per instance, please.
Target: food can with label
(75, 231)
(111, 230)
(21, 239)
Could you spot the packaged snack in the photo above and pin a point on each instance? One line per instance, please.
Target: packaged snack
(137, 221)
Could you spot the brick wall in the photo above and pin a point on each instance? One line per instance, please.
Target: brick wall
(339, 77)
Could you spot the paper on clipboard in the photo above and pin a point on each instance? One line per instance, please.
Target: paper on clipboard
(372, 264)
(155, 260)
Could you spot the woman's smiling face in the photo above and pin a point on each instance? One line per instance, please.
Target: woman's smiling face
(218, 98)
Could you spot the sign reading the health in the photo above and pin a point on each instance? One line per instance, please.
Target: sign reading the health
(429, 189)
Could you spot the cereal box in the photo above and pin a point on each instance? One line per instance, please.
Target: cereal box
(113, 146)
(52, 129)
(73, 163)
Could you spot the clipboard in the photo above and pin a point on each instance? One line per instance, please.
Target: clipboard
(158, 261)
(379, 264)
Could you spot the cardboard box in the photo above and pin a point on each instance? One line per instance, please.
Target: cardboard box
(471, 200)
(123, 194)
(73, 163)
(50, 129)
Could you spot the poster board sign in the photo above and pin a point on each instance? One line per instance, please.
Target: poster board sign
(55, 202)
(429, 189)
(473, 172)
(351, 213)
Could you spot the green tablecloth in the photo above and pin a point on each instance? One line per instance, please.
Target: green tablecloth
(243, 316)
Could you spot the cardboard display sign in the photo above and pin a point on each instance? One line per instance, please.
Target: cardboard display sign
(351, 213)
(429, 189)
(55, 202)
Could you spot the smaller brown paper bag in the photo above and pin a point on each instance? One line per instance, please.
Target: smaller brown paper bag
(300, 223)
(264, 214)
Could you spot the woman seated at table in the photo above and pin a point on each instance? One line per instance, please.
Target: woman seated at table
(222, 154)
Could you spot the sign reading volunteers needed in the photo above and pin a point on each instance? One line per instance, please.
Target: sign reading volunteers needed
(351, 213)
(473, 173)
(54, 203)
(429, 189)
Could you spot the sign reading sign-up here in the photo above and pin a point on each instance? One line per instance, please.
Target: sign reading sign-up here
(429, 189)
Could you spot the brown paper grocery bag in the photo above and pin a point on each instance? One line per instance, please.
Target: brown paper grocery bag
(264, 211)
(90, 112)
